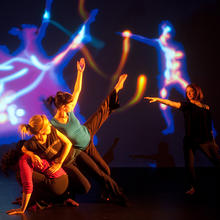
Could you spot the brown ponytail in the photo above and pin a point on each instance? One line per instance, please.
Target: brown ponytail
(62, 98)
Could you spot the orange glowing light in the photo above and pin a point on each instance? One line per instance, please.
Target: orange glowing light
(125, 51)
(126, 33)
(140, 90)
(81, 9)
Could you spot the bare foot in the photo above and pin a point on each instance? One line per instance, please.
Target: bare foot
(191, 191)
(120, 83)
(81, 65)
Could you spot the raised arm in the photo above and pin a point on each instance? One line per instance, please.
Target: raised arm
(78, 85)
(164, 101)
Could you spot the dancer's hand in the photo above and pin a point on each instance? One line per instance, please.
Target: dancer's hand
(81, 65)
(15, 211)
(55, 167)
(151, 99)
(37, 161)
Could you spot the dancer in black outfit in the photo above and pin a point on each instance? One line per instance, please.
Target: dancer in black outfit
(198, 130)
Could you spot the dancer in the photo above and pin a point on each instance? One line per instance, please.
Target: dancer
(198, 130)
(38, 183)
(82, 135)
(48, 143)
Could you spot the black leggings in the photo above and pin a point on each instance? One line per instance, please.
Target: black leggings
(48, 189)
(210, 149)
(87, 165)
(78, 183)
(94, 123)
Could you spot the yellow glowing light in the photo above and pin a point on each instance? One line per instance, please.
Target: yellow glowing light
(140, 90)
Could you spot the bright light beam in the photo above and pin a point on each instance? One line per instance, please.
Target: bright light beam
(138, 96)
(125, 50)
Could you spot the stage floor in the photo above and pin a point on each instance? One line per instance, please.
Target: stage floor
(154, 194)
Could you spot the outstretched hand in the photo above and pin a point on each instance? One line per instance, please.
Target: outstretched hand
(151, 99)
(81, 65)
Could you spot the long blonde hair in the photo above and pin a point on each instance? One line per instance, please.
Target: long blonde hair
(35, 124)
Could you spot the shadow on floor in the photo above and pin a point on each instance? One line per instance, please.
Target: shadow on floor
(154, 194)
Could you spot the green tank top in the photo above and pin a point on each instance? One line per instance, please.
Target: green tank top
(78, 134)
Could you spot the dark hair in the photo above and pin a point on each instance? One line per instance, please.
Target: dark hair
(10, 159)
(198, 92)
(61, 98)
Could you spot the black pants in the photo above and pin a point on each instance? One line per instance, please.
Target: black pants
(89, 167)
(47, 189)
(210, 149)
(90, 162)
(95, 122)
(84, 165)
(78, 183)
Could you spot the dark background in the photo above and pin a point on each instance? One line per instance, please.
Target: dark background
(138, 128)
